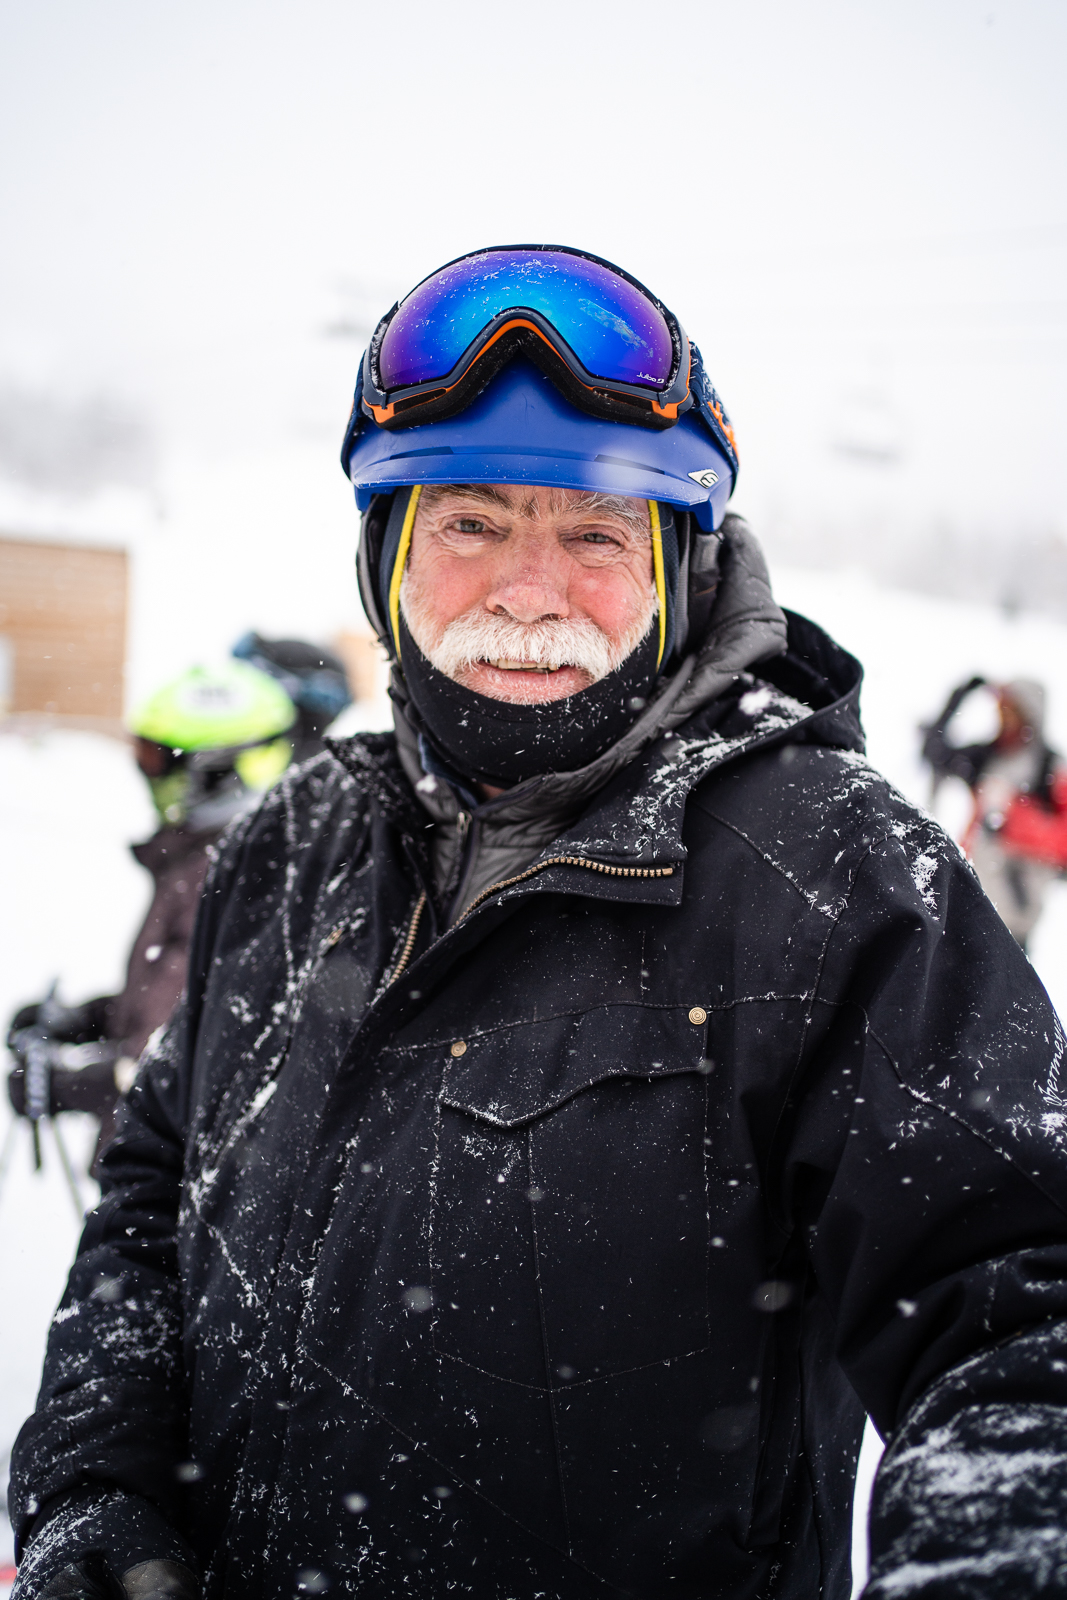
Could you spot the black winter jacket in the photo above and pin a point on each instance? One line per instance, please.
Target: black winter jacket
(558, 1253)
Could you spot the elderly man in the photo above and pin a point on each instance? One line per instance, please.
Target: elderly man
(587, 1102)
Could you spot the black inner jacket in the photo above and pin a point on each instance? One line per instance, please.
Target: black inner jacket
(559, 1251)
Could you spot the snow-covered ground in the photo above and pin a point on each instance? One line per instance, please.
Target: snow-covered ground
(70, 803)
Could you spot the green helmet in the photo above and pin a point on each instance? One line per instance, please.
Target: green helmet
(212, 708)
(210, 738)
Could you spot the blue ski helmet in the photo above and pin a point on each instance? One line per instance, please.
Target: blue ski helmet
(539, 365)
(521, 430)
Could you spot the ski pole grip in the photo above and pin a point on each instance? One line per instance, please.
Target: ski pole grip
(38, 1082)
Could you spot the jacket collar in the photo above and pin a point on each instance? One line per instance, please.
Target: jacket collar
(745, 626)
(810, 694)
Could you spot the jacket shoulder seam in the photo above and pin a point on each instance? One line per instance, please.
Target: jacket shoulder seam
(954, 1116)
(809, 897)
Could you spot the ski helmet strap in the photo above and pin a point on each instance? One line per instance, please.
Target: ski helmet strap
(665, 574)
(660, 580)
(395, 550)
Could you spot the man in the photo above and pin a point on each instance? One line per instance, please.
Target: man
(205, 742)
(1017, 838)
(586, 1102)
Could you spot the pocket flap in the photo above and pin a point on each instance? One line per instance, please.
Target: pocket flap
(510, 1075)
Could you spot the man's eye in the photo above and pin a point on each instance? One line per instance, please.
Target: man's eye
(593, 537)
(470, 525)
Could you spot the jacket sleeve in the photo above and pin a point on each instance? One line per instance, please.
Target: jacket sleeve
(937, 1215)
(96, 1465)
(155, 975)
(100, 1465)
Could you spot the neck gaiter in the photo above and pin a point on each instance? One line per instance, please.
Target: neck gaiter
(492, 741)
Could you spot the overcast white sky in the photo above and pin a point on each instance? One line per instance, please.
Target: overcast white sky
(859, 210)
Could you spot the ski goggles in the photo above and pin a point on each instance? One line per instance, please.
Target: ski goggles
(608, 344)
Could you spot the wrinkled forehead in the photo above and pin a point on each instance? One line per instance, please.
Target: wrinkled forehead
(535, 502)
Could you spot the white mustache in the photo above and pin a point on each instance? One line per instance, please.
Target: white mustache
(481, 635)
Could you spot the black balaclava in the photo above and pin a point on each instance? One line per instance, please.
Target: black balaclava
(495, 741)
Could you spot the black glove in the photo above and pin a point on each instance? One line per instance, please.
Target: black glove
(99, 1544)
(93, 1579)
(51, 1019)
(69, 1087)
(63, 1059)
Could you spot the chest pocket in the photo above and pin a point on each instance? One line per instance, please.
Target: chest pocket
(568, 1208)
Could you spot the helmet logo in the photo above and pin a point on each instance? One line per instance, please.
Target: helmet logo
(706, 479)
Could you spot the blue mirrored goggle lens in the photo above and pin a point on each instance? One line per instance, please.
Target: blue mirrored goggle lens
(616, 333)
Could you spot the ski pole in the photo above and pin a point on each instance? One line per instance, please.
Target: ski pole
(5, 1151)
(68, 1171)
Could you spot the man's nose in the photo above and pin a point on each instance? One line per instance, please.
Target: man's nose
(530, 593)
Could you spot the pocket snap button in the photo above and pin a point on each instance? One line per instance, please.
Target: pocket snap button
(460, 1047)
(698, 1015)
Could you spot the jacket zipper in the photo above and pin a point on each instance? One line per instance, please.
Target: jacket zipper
(520, 877)
(567, 861)
(409, 942)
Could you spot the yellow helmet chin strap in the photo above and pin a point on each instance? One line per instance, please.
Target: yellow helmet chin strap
(397, 576)
(661, 582)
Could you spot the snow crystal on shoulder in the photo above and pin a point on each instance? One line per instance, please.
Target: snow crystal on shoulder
(685, 762)
(923, 842)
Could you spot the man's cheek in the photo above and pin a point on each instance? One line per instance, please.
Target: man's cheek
(447, 588)
(613, 599)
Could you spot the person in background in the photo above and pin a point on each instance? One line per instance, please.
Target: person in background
(313, 677)
(1017, 836)
(208, 744)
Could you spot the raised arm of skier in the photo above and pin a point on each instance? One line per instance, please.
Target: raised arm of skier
(945, 758)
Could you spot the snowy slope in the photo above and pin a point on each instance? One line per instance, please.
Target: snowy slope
(70, 804)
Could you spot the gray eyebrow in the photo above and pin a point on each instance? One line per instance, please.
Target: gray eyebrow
(592, 503)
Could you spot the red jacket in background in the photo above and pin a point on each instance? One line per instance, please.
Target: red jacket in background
(1037, 828)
